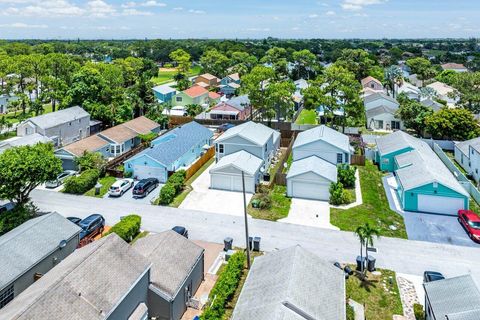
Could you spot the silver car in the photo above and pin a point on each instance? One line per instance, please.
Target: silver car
(60, 179)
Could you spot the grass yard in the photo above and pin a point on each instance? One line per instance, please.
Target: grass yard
(379, 295)
(289, 163)
(273, 170)
(188, 184)
(307, 117)
(8, 135)
(167, 76)
(374, 210)
(106, 183)
(280, 205)
(14, 117)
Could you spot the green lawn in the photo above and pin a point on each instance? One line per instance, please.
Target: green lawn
(379, 295)
(307, 117)
(374, 210)
(14, 117)
(289, 162)
(8, 135)
(188, 184)
(106, 182)
(167, 76)
(280, 205)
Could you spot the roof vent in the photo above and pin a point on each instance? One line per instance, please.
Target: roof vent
(298, 311)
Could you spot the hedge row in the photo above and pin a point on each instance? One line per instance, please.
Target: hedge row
(82, 183)
(225, 287)
(127, 228)
(174, 185)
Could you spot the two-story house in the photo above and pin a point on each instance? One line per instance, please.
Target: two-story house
(230, 84)
(164, 93)
(372, 83)
(380, 111)
(467, 154)
(194, 95)
(207, 81)
(63, 126)
(237, 108)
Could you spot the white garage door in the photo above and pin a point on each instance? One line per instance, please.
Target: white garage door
(143, 172)
(231, 183)
(437, 204)
(308, 190)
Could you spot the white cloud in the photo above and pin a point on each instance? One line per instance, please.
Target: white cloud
(20, 25)
(196, 11)
(313, 16)
(49, 8)
(258, 29)
(99, 8)
(359, 4)
(177, 9)
(330, 13)
(135, 12)
(148, 3)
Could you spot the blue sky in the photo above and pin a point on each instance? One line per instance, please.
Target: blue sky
(117, 19)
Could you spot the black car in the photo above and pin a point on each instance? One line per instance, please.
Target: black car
(91, 226)
(181, 231)
(429, 276)
(74, 220)
(144, 187)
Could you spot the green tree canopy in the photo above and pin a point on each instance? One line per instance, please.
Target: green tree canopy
(452, 123)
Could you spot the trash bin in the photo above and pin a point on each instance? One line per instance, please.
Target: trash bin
(348, 270)
(266, 177)
(256, 244)
(227, 242)
(250, 243)
(371, 264)
(360, 263)
(229, 254)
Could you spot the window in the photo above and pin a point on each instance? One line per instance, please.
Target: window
(69, 123)
(372, 85)
(178, 99)
(339, 157)
(6, 296)
(378, 124)
(395, 125)
(265, 148)
(220, 148)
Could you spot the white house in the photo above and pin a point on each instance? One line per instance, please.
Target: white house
(444, 92)
(372, 83)
(457, 67)
(411, 91)
(379, 99)
(467, 154)
(383, 118)
(5, 100)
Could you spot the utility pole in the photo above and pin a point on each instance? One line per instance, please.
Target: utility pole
(246, 221)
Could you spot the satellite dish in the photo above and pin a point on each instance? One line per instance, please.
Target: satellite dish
(62, 244)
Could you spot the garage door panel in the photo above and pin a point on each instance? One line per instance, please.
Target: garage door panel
(144, 172)
(309, 190)
(439, 204)
(231, 183)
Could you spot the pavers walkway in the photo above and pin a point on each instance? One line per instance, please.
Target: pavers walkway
(408, 295)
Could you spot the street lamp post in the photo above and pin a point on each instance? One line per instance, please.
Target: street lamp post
(246, 220)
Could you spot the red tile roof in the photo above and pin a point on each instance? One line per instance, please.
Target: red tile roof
(213, 95)
(195, 91)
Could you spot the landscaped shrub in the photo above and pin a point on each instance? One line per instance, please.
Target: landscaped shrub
(418, 311)
(225, 287)
(262, 201)
(346, 175)
(9, 220)
(167, 194)
(128, 174)
(127, 228)
(350, 312)
(82, 183)
(174, 185)
(91, 160)
(336, 193)
(178, 180)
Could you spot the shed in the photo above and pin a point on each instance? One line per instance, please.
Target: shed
(310, 178)
(226, 174)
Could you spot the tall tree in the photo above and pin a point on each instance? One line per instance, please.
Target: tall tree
(456, 124)
(467, 85)
(183, 61)
(422, 67)
(215, 62)
(280, 99)
(305, 63)
(413, 114)
(277, 59)
(393, 77)
(254, 84)
(357, 61)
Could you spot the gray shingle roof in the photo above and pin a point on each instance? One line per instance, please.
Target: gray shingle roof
(29, 140)
(290, 279)
(313, 164)
(169, 147)
(378, 95)
(379, 110)
(242, 160)
(53, 119)
(30, 243)
(395, 141)
(173, 258)
(454, 298)
(256, 133)
(432, 104)
(323, 133)
(87, 285)
(239, 102)
(464, 145)
(164, 89)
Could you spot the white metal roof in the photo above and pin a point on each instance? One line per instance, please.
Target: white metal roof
(313, 164)
(323, 133)
(242, 160)
(256, 133)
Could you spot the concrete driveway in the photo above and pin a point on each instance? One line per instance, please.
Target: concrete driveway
(421, 226)
(309, 213)
(203, 198)
(128, 196)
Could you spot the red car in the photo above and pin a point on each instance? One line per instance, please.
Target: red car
(471, 222)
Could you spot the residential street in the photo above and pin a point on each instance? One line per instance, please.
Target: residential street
(405, 256)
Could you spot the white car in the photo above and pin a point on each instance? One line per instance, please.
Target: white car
(119, 187)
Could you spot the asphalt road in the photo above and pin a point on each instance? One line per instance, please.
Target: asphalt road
(405, 256)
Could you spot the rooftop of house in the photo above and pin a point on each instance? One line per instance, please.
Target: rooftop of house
(301, 84)
(379, 95)
(313, 164)
(195, 91)
(256, 133)
(323, 133)
(292, 284)
(455, 298)
(234, 76)
(441, 88)
(213, 95)
(29, 140)
(29, 243)
(453, 66)
(59, 117)
(432, 104)
(119, 134)
(395, 141)
(90, 144)
(465, 145)
(368, 79)
(172, 145)
(173, 258)
(242, 160)
(164, 89)
(141, 125)
(87, 285)
(208, 76)
(379, 110)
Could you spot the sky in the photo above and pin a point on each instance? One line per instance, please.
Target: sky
(128, 19)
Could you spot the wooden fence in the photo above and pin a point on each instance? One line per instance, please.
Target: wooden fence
(111, 168)
(358, 159)
(200, 162)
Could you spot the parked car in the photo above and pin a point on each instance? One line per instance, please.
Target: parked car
(471, 223)
(60, 179)
(429, 276)
(5, 207)
(119, 187)
(75, 220)
(91, 226)
(144, 187)
(181, 231)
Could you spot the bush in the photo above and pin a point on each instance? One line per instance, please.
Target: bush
(262, 201)
(178, 180)
(336, 193)
(91, 160)
(167, 194)
(225, 287)
(11, 219)
(418, 311)
(346, 175)
(350, 312)
(174, 185)
(128, 174)
(127, 228)
(82, 183)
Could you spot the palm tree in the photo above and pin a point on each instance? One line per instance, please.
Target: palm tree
(360, 233)
(366, 233)
(393, 76)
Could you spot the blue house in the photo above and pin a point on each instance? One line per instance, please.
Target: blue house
(176, 149)
(235, 78)
(164, 93)
(230, 84)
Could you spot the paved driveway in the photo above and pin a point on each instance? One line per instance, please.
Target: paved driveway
(128, 196)
(203, 198)
(426, 226)
(309, 213)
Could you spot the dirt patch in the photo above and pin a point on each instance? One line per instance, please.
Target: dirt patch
(167, 69)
